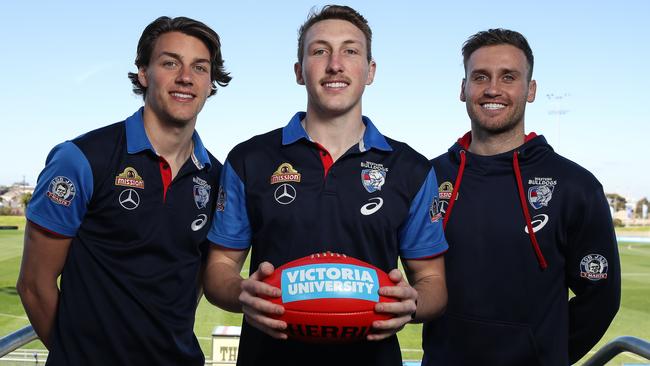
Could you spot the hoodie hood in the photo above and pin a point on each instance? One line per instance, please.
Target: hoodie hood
(531, 151)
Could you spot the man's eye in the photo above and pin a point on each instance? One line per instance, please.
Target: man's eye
(201, 68)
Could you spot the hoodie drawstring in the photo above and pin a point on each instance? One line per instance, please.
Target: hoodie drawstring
(529, 225)
(454, 192)
(465, 142)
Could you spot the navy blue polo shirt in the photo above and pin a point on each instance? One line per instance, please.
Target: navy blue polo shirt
(281, 194)
(129, 283)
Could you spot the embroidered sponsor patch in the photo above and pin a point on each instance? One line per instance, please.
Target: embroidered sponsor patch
(285, 173)
(593, 267)
(373, 176)
(445, 190)
(61, 191)
(129, 178)
(129, 199)
(221, 199)
(201, 192)
(434, 210)
(284, 194)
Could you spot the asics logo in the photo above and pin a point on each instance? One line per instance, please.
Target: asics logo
(373, 206)
(199, 222)
(538, 222)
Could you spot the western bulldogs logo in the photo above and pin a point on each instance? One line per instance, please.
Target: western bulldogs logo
(201, 193)
(373, 179)
(62, 191)
(593, 267)
(540, 196)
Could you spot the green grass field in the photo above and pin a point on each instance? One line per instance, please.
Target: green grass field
(633, 318)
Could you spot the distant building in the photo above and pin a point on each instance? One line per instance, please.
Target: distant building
(11, 201)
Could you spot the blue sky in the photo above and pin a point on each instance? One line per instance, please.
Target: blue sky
(64, 67)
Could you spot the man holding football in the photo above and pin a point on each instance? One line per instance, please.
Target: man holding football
(327, 181)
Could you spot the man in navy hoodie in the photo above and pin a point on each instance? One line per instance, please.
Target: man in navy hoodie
(524, 225)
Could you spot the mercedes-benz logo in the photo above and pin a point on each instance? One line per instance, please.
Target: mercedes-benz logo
(285, 194)
(129, 199)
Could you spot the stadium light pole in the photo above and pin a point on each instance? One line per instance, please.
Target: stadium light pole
(557, 109)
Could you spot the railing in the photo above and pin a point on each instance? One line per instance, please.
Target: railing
(618, 345)
(635, 345)
(16, 339)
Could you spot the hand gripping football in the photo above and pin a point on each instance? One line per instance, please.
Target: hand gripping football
(329, 297)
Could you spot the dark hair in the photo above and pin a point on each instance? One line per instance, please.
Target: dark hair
(340, 12)
(186, 26)
(498, 36)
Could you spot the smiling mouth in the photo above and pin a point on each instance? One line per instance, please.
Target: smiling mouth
(182, 96)
(335, 84)
(493, 106)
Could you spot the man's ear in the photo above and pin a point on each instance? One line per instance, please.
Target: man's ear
(462, 91)
(142, 76)
(297, 68)
(532, 90)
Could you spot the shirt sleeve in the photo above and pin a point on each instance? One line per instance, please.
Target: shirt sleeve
(593, 271)
(63, 190)
(230, 226)
(421, 236)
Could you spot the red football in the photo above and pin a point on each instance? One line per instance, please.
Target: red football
(329, 297)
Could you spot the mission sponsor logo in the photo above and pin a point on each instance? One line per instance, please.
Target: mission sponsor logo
(285, 173)
(445, 190)
(61, 191)
(129, 178)
(593, 267)
(324, 281)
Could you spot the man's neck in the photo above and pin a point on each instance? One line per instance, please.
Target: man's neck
(171, 141)
(336, 134)
(488, 144)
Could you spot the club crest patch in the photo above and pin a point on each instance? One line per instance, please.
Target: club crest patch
(61, 191)
(129, 178)
(445, 190)
(434, 210)
(540, 196)
(373, 176)
(221, 199)
(285, 173)
(541, 191)
(593, 267)
(201, 192)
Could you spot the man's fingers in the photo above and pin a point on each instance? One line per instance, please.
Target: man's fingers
(270, 326)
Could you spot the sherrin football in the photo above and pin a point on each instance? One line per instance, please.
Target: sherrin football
(329, 297)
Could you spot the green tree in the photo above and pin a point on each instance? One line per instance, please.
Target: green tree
(638, 210)
(617, 201)
(25, 198)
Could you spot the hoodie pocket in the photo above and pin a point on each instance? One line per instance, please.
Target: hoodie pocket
(473, 341)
